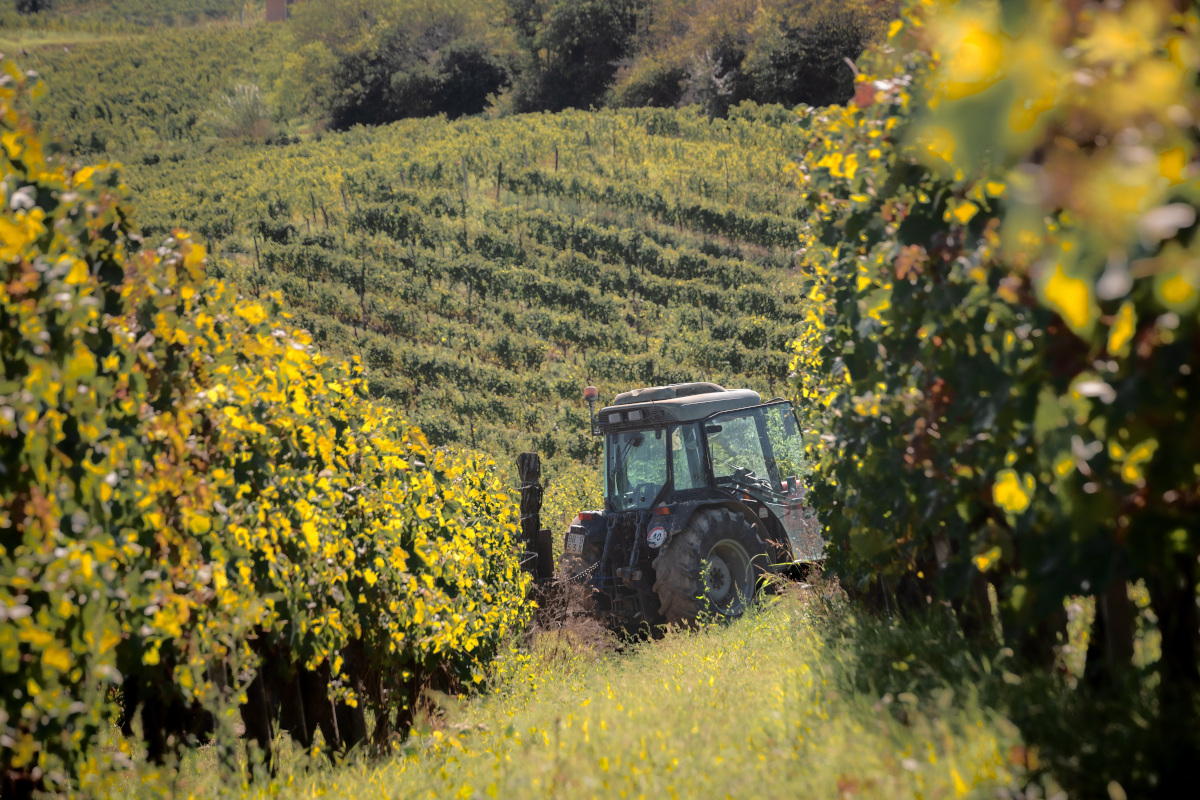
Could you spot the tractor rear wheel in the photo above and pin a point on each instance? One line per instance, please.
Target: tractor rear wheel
(713, 567)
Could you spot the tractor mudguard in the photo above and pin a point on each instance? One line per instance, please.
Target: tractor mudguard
(682, 513)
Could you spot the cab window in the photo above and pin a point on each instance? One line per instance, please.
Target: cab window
(686, 459)
(637, 467)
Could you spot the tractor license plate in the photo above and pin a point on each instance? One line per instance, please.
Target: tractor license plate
(575, 543)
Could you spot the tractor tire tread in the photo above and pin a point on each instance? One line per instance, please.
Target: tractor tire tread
(677, 567)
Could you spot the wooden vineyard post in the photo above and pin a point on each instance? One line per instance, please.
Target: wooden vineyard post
(536, 557)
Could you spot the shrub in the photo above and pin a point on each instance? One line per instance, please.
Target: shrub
(650, 82)
(243, 114)
(194, 500)
(1001, 367)
(397, 59)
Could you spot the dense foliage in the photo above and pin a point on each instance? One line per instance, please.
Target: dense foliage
(624, 249)
(191, 494)
(719, 53)
(572, 50)
(385, 60)
(1002, 363)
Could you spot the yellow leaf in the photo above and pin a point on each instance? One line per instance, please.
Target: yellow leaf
(1177, 290)
(851, 165)
(1131, 470)
(195, 255)
(79, 273)
(36, 637)
(1122, 330)
(985, 560)
(965, 212)
(310, 534)
(56, 658)
(895, 28)
(81, 365)
(1171, 164)
(107, 640)
(1070, 297)
(960, 787)
(1012, 492)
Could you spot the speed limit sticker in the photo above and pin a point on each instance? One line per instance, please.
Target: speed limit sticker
(656, 537)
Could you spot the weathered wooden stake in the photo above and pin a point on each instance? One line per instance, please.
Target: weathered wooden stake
(529, 471)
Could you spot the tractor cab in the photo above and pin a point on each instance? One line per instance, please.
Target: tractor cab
(687, 455)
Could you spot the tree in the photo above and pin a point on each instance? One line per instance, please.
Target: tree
(394, 59)
(803, 56)
(34, 6)
(575, 53)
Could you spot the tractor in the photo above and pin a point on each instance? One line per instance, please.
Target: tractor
(702, 501)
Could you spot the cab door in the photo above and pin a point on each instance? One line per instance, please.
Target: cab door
(783, 447)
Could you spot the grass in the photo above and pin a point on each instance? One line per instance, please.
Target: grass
(764, 707)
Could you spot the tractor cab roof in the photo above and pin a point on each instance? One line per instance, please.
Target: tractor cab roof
(678, 402)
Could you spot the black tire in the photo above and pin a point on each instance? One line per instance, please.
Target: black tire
(713, 567)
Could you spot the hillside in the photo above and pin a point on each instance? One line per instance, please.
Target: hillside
(485, 270)
(339, 63)
(158, 89)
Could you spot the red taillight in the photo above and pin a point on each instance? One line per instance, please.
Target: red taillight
(588, 516)
(661, 511)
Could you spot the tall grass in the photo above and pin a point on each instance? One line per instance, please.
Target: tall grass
(769, 706)
(243, 114)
